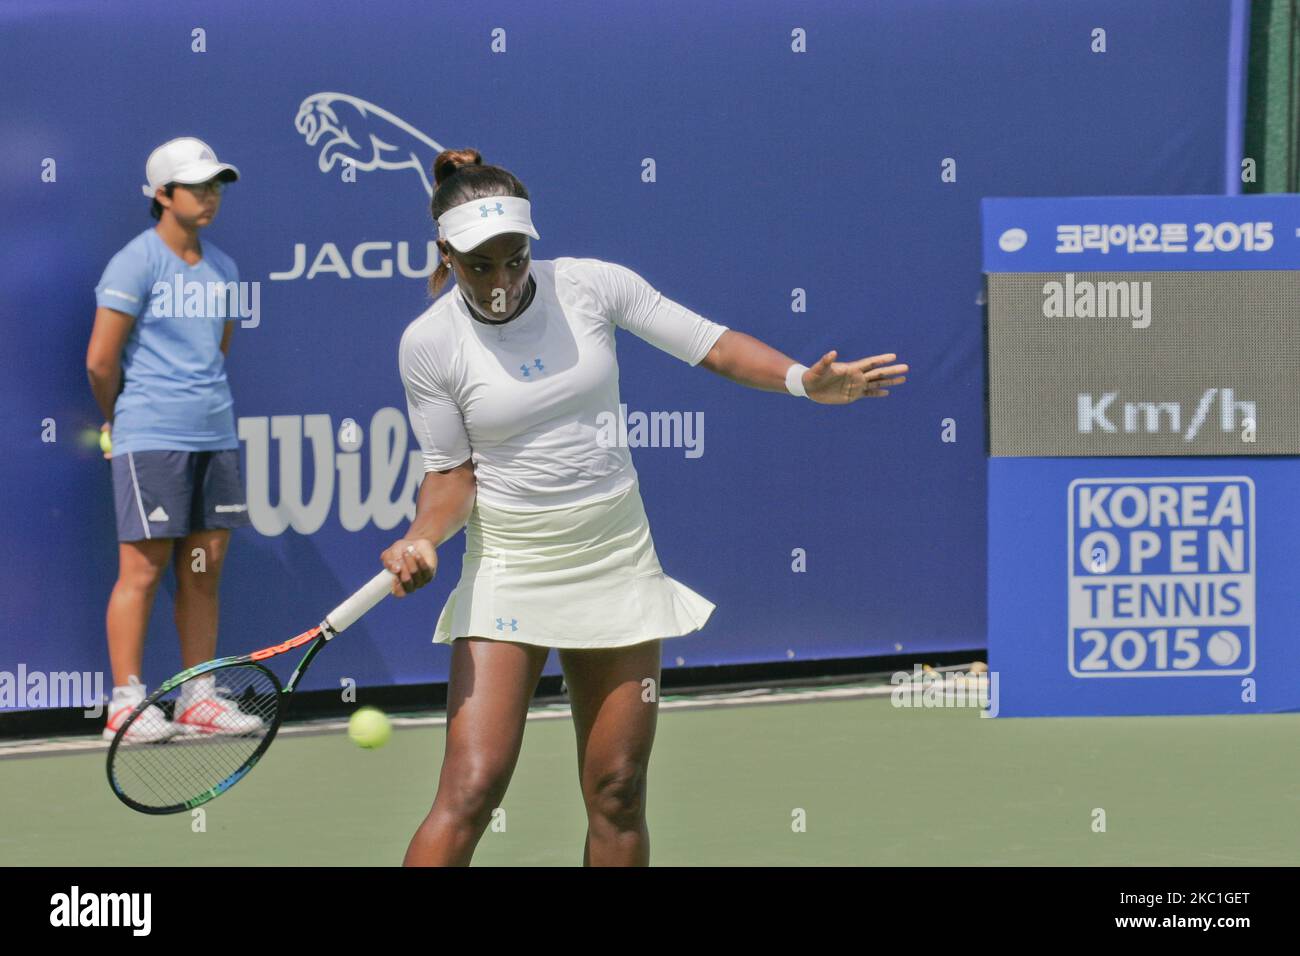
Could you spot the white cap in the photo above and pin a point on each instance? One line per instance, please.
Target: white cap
(473, 223)
(183, 160)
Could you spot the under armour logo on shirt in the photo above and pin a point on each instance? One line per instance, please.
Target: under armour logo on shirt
(514, 624)
(537, 364)
(485, 209)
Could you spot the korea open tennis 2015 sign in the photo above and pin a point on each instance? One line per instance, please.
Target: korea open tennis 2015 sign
(1162, 325)
(1162, 576)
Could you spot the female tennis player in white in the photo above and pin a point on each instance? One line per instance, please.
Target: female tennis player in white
(508, 382)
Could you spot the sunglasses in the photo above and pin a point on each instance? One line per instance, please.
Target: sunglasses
(200, 189)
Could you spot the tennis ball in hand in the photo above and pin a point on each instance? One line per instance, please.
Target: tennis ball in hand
(106, 442)
(369, 727)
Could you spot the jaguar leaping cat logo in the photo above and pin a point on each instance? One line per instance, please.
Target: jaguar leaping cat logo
(364, 135)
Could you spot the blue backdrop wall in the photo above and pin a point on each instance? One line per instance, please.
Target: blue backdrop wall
(776, 170)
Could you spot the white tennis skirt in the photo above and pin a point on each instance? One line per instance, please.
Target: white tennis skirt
(580, 576)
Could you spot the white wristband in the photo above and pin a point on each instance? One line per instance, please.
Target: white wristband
(794, 380)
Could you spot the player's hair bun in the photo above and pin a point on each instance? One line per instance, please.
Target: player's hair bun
(450, 160)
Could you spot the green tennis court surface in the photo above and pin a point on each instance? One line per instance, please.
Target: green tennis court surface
(878, 785)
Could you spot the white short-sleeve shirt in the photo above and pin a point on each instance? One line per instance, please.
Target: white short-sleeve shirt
(535, 402)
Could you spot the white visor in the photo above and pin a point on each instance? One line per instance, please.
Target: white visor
(473, 223)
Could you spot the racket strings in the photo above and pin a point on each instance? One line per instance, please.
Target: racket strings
(163, 762)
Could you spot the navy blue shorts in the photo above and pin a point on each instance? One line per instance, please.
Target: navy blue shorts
(169, 494)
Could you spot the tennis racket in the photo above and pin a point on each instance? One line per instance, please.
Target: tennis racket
(237, 701)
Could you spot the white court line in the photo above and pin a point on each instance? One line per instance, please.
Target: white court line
(544, 712)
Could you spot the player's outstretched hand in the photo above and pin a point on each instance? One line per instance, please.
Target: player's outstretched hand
(414, 561)
(838, 383)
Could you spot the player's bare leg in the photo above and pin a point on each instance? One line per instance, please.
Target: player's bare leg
(199, 559)
(141, 565)
(614, 694)
(490, 688)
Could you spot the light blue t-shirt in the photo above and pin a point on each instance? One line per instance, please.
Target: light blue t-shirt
(175, 395)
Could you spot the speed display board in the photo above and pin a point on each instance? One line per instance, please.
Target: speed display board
(1143, 326)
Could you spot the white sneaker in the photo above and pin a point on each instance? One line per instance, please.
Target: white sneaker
(151, 727)
(215, 714)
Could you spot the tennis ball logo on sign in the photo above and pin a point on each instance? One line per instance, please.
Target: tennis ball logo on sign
(1224, 648)
(1013, 240)
(1162, 577)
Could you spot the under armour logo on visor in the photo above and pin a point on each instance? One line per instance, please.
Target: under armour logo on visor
(514, 624)
(485, 209)
(537, 364)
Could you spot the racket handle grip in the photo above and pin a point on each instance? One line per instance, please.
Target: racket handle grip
(347, 613)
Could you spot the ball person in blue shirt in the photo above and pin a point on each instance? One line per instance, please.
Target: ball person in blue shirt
(157, 370)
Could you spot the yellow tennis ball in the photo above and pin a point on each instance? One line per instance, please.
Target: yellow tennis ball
(369, 727)
(106, 442)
